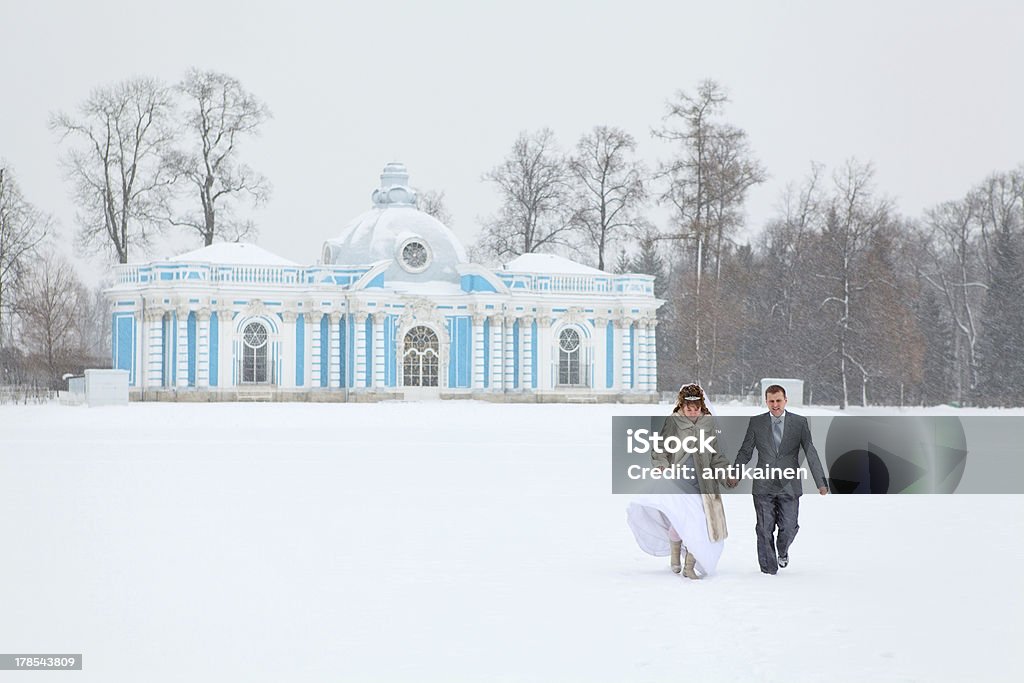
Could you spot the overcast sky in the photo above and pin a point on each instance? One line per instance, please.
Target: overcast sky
(929, 91)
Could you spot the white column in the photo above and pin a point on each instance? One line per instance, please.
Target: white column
(335, 357)
(156, 348)
(641, 354)
(359, 377)
(600, 354)
(526, 353)
(138, 346)
(152, 352)
(378, 349)
(225, 354)
(645, 330)
(637, 351)
(508, 352)
(652, 351)
(616, 354)
(479, 370)
(308, 315)
(182, 346)
(315, 344)
(617, 342)
(625, 370)
(203, 347)
(545, 345)
(286, 373)
(496, 360)
(628, 372)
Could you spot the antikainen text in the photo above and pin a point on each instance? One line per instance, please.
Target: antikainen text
(730, 472)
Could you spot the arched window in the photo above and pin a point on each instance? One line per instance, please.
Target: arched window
(569, 364)
(420, 358)
(254, 354)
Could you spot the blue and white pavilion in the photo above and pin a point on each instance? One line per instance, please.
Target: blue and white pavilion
(393, 309)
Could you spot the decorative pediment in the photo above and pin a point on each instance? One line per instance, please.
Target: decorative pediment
(256, 307)
(574, 315)
(418, 310)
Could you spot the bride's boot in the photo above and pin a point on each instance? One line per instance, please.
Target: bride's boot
(677, 547)
(689, 569)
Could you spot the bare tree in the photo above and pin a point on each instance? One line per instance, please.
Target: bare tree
(782, 310)
(22, 228)
(1001, 365)
(853, 220)
(785, 242)
(953, 241)
(534, 189)
(994, 205)
(117, 168)
(609, 188)
(705, 183)
(957, 237)
(220, 114)
(51, 298)
(732, 171)
(433, 204)
(93, 325)
(689, 124)
(707, 180)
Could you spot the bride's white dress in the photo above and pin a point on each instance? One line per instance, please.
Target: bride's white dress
(650, 515)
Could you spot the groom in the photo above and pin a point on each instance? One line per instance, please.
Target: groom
(778, 436)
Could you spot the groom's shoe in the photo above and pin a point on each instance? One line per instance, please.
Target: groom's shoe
(677, 547)
(783, 561)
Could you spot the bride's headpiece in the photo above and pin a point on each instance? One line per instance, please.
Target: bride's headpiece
(691, 388)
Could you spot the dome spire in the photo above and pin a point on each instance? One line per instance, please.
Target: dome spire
(394, 187)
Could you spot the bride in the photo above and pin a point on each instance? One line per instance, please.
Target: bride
(690, 518)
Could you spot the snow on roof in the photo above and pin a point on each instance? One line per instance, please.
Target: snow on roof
(549, 263)
(377, 234)
(234, 253)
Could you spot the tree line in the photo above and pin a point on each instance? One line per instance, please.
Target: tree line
(865, 304)
(838, 288)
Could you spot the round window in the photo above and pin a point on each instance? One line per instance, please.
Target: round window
(254, 336)
(414, 256)
(569, 340)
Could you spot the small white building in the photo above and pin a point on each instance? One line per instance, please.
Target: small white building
(394, 309)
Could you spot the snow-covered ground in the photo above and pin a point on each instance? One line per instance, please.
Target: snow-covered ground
(458, 541)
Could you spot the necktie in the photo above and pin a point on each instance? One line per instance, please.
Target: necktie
(777, 433)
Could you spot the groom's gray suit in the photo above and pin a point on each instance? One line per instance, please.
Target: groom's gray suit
(777, 501)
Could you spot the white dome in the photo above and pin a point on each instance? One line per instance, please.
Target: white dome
(421, 246)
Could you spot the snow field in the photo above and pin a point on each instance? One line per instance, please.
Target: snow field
(457, 541)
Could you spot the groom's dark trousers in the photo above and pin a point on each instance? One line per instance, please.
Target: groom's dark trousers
(775, 510)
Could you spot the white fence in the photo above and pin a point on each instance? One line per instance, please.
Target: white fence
(569, 283)
(155, 273)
